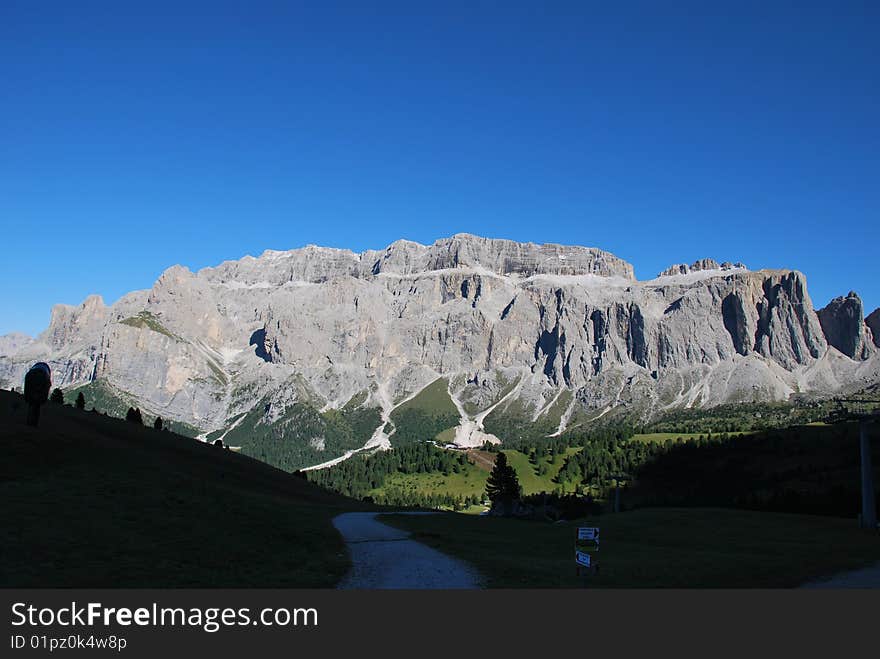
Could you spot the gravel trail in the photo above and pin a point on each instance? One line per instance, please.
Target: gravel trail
(385, 557)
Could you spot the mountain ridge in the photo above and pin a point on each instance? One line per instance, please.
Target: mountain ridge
(280, 345)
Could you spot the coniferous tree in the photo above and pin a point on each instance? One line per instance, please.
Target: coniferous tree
(57, 396)
(80, 401)
(158, 423)
(503, 485)
(134, 415)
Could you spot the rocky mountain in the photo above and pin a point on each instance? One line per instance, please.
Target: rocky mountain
(872, 320)
(846, 328)
(12, 343)
(303, 356)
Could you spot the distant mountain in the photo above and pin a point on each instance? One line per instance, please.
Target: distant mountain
(304, 355)
(12, 343)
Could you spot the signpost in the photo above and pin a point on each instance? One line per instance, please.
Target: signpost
(586, 540)
(589, 533)
(583, 558)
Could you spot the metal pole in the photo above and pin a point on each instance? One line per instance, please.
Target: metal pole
(869, 503)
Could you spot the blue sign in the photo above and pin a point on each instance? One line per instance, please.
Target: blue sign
(582, 558)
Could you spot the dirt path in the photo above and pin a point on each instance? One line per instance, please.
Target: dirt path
(867, 577)
(385, 557)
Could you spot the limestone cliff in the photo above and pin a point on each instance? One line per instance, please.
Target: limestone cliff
(555, 335)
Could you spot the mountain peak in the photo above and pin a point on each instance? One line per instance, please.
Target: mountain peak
(845, 328)
(497, 255)
(315, 264)
(702, 265)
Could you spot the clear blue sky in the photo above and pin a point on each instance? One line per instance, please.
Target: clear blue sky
(134, 136)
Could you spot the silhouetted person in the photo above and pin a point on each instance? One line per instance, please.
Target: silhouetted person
(37, 384)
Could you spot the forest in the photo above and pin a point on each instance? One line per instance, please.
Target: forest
(810, 469)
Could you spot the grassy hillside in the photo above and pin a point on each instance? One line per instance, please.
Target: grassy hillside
(413, 474)
(669, 548)
(512, 424)
(539, 477)
(146, 320)
(303, 436)
(425, 416)
(100, 395)
(738, 417)
(468, 483)
(91, 501)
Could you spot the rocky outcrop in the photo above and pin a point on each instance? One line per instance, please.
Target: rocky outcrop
(786, 325)
(872, 320)
(501, 257)
(69, 324)
(700, 266)
(13, 343)
(844, 326)
(317, 265)
(545, 334)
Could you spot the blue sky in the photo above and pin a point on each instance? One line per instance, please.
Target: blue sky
(136, 136)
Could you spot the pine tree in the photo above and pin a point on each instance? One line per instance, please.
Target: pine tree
(134, 415)
(57, 396)
(158, 423)
(80, 401)
(503, 485)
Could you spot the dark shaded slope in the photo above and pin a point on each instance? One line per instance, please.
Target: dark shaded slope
(94, 501)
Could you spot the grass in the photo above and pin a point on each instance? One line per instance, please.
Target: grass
(445, 436)
(286, 441)
(146, 320)
(512, 423)
(531, 481)
(737, 417)
(528, 479)
(426, 415)
(554, 415)
(470, 482)
(655, 547)
(434, 399)
(92, 501)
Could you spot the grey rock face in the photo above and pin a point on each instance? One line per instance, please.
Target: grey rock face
(70, 324)
(501, 257)
(844, 326)
(555, 335)
(314, 264)
(12, 343)
(872, 320)
(699, 266)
